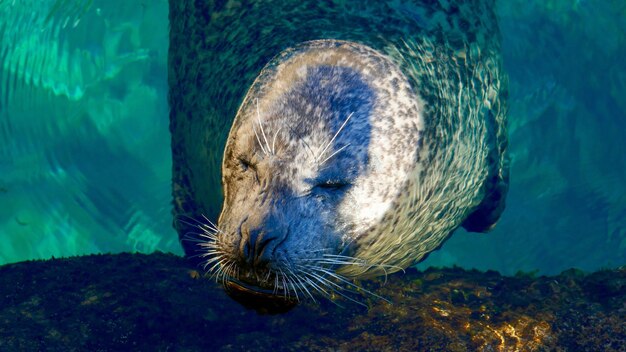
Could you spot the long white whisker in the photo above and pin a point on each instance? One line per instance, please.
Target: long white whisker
(199, 255)
(213, 226)
(275, 291)
(335, 136)
(218, 268)
(208, 231)
(347, 282)
(258, 117)
(202, 227)
(213, 259)
(304, 288)
(267, 276)
(338, 291)
(219, 274)
(285, 288)
(259, 140)
(209, 247)
(231, 270)
(320, 250)
(355, 263)
(210, 252)
(216, 263)
(189, 238)
(293, 286)
(358, 260)
(224, 273)
(184, 219)
(338, 263)
(335, 153)
(314, 285)
(274, 141)
(209, 242)
(302, 285)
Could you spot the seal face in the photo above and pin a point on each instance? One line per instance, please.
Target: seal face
(321, 148)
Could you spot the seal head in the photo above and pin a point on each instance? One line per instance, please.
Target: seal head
(322, 146)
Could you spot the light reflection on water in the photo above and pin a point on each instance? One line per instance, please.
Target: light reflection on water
(85, 156)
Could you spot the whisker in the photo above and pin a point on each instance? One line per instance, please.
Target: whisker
(335, 136)
(215, 271)
(295, 291)
(230, 270)
(320, 250)
(209, 247)
(347, 282)
(181, 218)
(286, 292)
(274, 141)
(216, 261)
(259, 140)
(267, 276)
(199, 255)
(372, 265)
(363, 265)
(224, 274)
(335, 153)
(315, 286)
(214, 258)
(206, 252)
(189, 237)
(208, 242)
(198, 226)
(213, 226)
(337, 291)
(275, 284)
(357, 262)
(258, 117)
(303, 288)
(209, 228)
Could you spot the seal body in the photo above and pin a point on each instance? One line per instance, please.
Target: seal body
(355, 158)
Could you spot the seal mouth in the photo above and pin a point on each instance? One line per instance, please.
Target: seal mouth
(263, 301)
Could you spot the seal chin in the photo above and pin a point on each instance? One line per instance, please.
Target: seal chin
(263, 301)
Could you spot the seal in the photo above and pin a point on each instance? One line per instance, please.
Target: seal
(351, 159)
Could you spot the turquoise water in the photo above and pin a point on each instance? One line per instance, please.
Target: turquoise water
(85, 163)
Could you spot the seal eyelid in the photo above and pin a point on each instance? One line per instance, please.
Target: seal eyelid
(246, 164)
(333, 184)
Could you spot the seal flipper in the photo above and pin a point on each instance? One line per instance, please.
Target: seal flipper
(487, 214)
(496, 185)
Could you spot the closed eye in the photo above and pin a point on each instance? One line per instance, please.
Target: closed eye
(333, 185)
(245, 164)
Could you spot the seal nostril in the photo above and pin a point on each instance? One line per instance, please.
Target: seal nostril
(246, 249)
(256, 245)
(261, 253)
(253, 244)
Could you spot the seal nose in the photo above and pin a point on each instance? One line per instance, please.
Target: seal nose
(258, 245)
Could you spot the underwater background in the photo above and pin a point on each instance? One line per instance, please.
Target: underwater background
(85, 159)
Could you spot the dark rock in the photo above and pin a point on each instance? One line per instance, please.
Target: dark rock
(157, 303)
